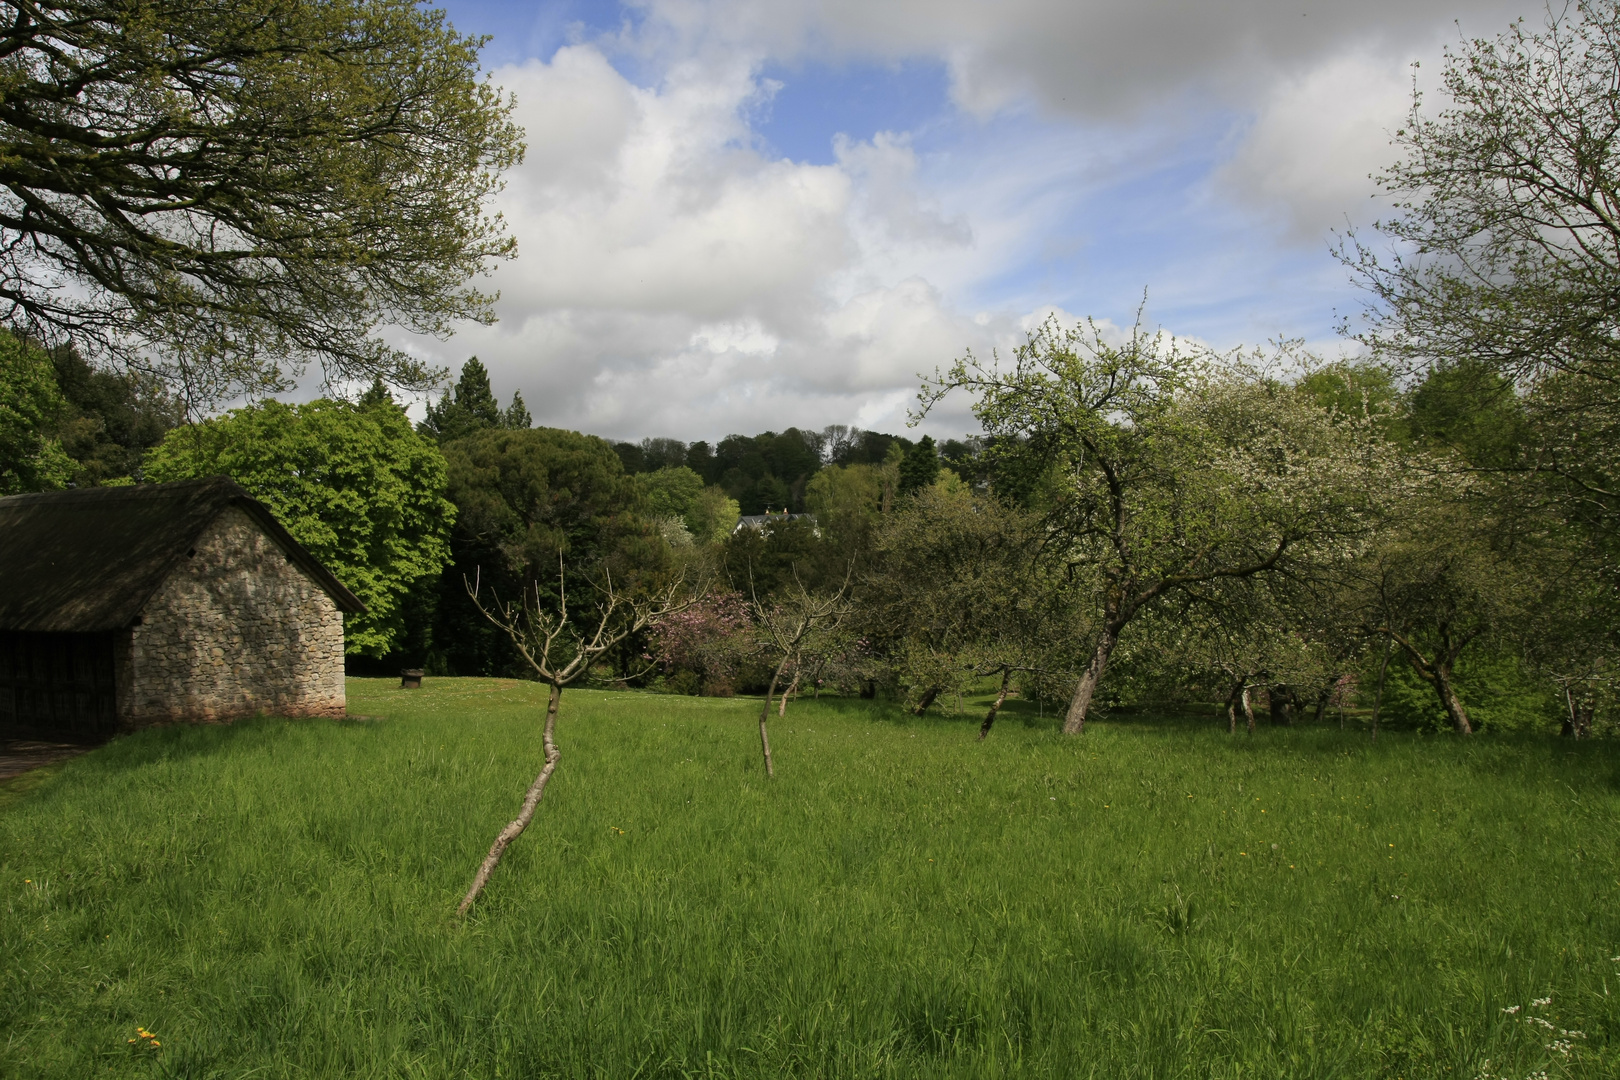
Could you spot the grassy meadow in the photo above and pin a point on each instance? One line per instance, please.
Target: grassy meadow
(1154, 899)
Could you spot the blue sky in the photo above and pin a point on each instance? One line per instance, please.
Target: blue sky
(737, 216)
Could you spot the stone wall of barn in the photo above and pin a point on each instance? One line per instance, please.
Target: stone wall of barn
(237, 629)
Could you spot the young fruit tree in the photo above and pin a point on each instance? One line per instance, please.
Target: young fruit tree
(1458, 569)
(1158, 471)
(790, 625)
(560, 650)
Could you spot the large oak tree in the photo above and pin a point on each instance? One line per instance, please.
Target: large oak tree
(226, 192)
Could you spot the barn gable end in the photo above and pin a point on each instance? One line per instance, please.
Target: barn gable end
(236, 628)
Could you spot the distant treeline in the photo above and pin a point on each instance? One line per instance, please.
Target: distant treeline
(771, 471)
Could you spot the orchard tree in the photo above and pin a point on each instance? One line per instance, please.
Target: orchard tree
(355, 485)
(1505, 259)
(1454, 572)
(955, 591)
(560, 648)
(795, 622)
(1507, 226)
(222, 194)
(1158, 471)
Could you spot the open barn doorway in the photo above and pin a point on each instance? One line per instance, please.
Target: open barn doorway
(59, 687)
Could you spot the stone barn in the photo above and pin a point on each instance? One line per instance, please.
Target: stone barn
(124, 606)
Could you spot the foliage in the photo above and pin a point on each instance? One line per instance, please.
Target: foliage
(919, 467)
(767, 560)
(230, 192)
(1159, 472)
(712, 515)
(1502, 695)
(671, 491)
(31, 458)
(954, 591)
(356, 486)
(266, 889)
(705, 648)
(1508, 241)
(769, 471)
(112, 418)
(523, 499)
(472, 408)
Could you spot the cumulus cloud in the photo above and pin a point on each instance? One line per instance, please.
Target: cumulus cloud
(674, 279)
(1085, 57)
(1316, 141)
(678, 278)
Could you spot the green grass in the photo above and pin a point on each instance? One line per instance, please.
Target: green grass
(1154, 899)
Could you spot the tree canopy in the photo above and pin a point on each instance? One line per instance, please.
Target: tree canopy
(355, 485)
(223, 193)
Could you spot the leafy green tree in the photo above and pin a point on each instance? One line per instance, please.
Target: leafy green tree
(712, 515)
(238, 190)
(1159, 472)
(1508, 243)
(31, 407)
(847, 501)
(671, 491)
(355, 485)
(920, 466)
(1452, 575)
(112, 418)
(954, 592)
(470, 407)
(525, 499)
(516, 417)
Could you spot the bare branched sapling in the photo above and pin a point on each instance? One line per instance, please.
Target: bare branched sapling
(786, 628)
(561, 653)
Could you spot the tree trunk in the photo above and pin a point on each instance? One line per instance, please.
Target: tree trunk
(1281, 705)
(764, 714)
(1324, 697)
(1569, 727)
(1232, 700)
(1075, 722)
(530, 802)
(1378, 696)
(1248, 709)
(1448, 698)
(990, 717)
(927, 699)
(868, 688)
(792, 686)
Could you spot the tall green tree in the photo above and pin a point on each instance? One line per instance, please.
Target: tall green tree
(355, 485)
(526, 499)
(239, 190)
(468, 407)
(31, 408)
(1508, 233)
(920, 466)
(112, 418)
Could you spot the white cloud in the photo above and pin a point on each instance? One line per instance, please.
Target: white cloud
(672, 279)
(1316, 141)
(676, 279)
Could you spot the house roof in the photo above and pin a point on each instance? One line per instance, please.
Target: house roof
(759, 521)
(88, 559)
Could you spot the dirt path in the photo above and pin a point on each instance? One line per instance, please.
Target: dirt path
(18, 756)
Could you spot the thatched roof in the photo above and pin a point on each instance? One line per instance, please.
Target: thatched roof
(89, 559)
